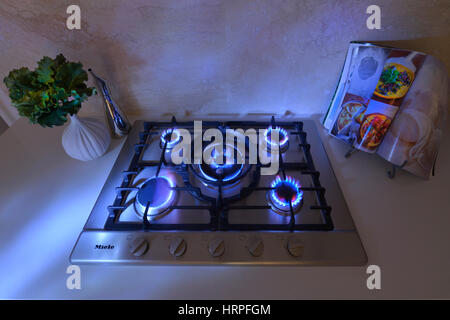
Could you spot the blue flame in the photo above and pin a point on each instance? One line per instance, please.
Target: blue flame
(174, 135)
(292, 183)
(228, 162)
(281, 133)
(215, 159)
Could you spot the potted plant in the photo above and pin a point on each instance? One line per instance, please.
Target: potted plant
(51, 94)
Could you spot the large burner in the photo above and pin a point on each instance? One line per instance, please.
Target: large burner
(285, 194)
(222, 174)
(283, 138)
(158, 193)
(224, 169)
(171, 137)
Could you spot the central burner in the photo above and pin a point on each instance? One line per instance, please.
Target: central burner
(285, 194)
(157, 193)
(222, 174)
(225, 169)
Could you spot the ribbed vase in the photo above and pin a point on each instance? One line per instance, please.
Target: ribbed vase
(85, 139)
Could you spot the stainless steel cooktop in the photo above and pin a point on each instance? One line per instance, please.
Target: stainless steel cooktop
(153, 212)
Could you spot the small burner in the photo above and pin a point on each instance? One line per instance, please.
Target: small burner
(283, 138)
(172, 136)
(225, 171)
(285, 191)
(158, 191)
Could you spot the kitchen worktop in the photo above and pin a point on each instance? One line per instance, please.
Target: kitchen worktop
(46, 197)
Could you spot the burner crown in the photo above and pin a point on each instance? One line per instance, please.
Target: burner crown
(286, 191)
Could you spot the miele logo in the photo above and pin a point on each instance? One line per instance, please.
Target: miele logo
(100, 246)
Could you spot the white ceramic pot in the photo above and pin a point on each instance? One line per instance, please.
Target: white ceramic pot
(85, 139)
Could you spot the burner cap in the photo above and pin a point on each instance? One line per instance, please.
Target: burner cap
(225, 170)
(283, 138)
(285, 191)
(158, 191)
(172, 136)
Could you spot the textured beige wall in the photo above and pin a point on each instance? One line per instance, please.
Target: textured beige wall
(198, 58)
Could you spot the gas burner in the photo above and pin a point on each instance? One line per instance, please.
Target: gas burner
(225, 170)
(223, 173)
(284, 194)
(172, 136)
(222, 178)
(159, 193)
(283, 138)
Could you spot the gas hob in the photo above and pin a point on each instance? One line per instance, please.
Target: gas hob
(152, 211)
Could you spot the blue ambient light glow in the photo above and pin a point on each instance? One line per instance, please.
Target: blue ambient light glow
(285, 190)
(173, 137)
(152, 190)
(282, 136)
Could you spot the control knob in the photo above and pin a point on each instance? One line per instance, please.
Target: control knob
(216, 247)
(295, 247)
(177, 247)
(255, 246)
(139, 246)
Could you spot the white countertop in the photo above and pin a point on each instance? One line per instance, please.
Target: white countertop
(46, 197)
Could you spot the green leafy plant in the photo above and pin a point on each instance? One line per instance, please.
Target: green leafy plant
(389, 75)
(48, 94)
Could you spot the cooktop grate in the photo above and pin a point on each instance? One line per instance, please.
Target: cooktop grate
(220, 206)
